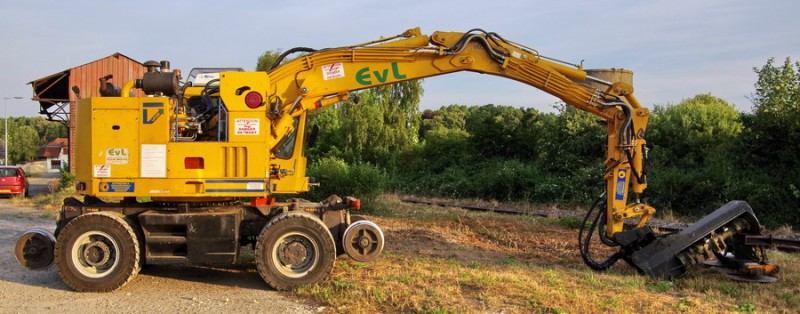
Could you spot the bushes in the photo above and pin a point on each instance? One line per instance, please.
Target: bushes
(337, 177)
(704, 154)
(66, 180)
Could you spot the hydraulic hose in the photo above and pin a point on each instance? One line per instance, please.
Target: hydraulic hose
(584, 242)
(287, 53)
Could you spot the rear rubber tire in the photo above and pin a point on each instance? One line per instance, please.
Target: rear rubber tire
(295, 249)
(97, 252)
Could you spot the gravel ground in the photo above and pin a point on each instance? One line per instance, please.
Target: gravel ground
(165, 289)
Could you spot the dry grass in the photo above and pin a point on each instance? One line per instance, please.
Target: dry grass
(445, 260)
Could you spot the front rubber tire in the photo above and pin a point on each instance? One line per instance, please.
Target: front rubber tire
(97, 252)
(295, 249)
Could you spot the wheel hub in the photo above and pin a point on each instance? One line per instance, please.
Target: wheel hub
(293, 253)
(96, 253)
(364, 242)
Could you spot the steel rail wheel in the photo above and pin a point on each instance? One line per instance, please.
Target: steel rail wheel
(34, 249)
(363, 241)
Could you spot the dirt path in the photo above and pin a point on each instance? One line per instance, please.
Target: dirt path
(165, 289)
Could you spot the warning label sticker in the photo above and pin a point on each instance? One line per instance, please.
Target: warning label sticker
(247, 126)
(332, 71)
(102, 171)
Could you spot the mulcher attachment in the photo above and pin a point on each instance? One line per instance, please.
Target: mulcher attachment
(721, 234)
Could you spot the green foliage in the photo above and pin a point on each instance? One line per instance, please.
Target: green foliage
(448, 117)
(494, 130)
(338, 177)
(778, 91)
(573, 139)
(23, 143)
(703, 152)
(768, 166)
(266, 60)
(745, 307)
(383, 123)
(694, 131)
(27, 134)
(505, 153)
(66, 180)
(327, 124)
(357, 143)
(441, 149)
(690, 160)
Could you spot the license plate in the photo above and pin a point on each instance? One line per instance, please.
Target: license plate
(5, 191)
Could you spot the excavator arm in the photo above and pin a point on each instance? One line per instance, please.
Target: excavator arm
(324, 77)
(328, 76)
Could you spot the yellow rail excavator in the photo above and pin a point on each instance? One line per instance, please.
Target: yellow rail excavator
(196, 150)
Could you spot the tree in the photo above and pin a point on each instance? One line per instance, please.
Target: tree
(695, 130)
(494, 130)
(449, 117)
(48, 130)
(267, 59)
(23, 143)
(775, 123)
(690, 161)
(325, 125)
(26, 135)
(777, 89)
(569, 142)
(767, 154)
(383, 123)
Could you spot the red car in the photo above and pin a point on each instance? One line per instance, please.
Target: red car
(13, 181)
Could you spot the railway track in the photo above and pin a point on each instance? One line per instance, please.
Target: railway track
(779, 242)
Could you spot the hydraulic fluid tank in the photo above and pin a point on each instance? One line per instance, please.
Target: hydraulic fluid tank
(610, 75)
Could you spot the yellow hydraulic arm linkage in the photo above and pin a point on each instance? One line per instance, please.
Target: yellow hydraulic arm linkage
(327, 76)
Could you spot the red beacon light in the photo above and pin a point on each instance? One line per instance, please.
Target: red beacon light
(253, 100)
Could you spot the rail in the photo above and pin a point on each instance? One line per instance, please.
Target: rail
(779, 242)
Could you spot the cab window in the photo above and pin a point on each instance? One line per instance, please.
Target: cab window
(285, 147)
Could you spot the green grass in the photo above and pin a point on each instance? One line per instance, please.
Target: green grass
(478, 262)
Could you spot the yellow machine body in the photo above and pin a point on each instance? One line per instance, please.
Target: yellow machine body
(126, 148)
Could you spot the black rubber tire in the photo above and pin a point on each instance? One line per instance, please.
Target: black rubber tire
(137, 230)
(354, 218)
(293, 229)
(106, 231)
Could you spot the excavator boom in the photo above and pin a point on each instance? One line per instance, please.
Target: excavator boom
(327, 76)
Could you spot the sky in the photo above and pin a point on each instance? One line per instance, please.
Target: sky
(676, 48)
